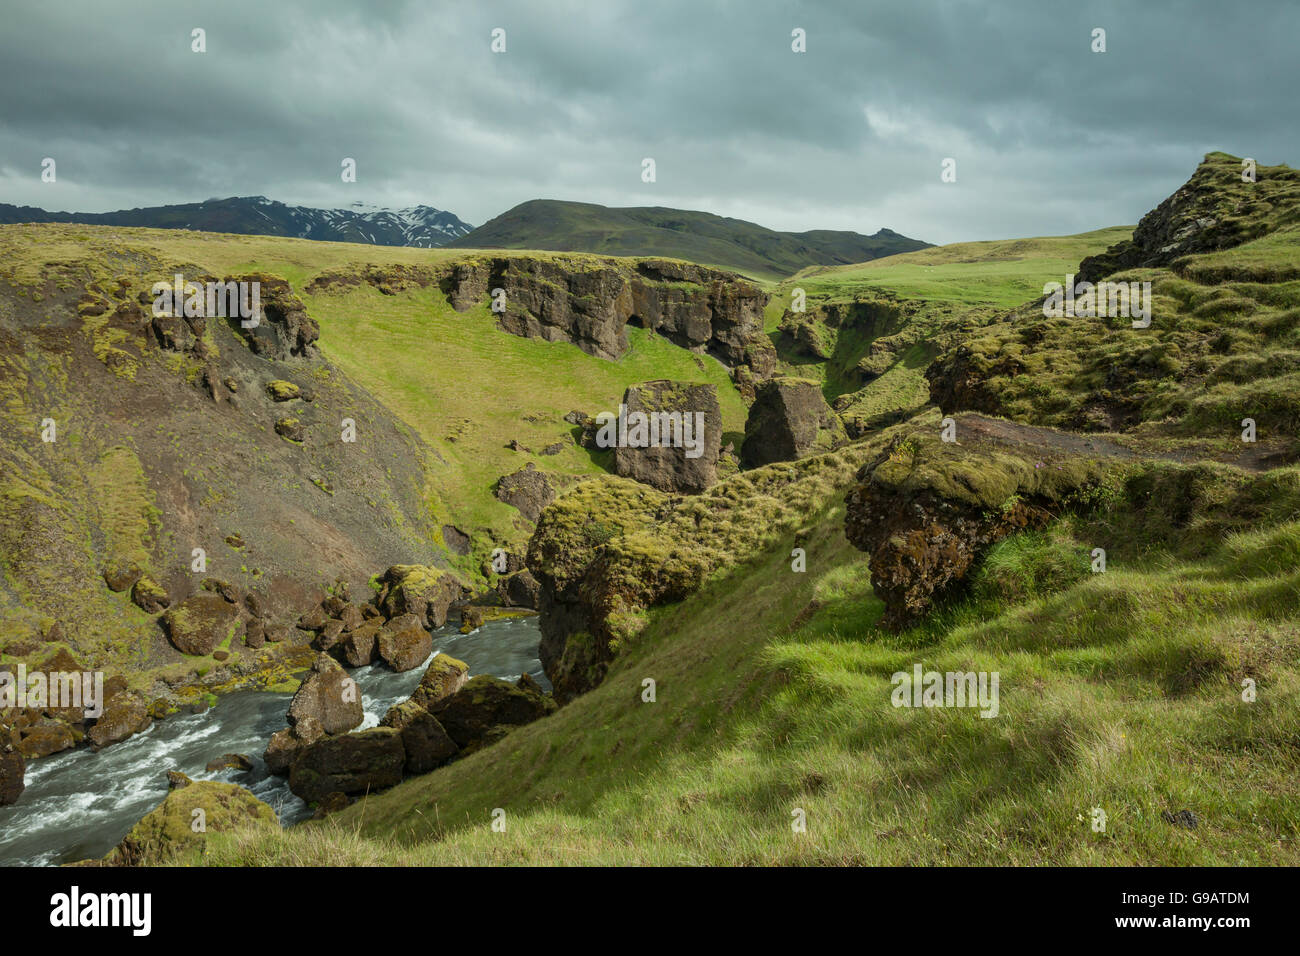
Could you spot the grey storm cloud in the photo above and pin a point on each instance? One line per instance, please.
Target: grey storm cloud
(1048, 136)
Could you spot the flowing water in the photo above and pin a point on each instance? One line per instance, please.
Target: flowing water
(79, 804)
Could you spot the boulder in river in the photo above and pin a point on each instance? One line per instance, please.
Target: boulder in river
(125, 714)
(426, 743)
(328, 695)
(418, 589)
(12, 769)
(285, 744)
(404, 643)
(443, 677)
(350, 763)
(487, 707)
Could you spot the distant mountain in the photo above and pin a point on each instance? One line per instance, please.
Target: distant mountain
(256, 215)
(698, 236)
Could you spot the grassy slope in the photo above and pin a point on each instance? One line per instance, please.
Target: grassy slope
(679, 233)
(452, 375)
(970, 280)
(455, 375)
(1119, 691)
(1003, 273)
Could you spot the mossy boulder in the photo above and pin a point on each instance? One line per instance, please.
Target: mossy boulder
(486, 707)
(927, 510)
(403, 643)
(291, 429)
(424, 740)
(125, 714)
(660, 455)
(121, 575)
(418, 589)
(284, 744)
(361, 646)
(350, 763)
(282, 391)
(328, 695)
(443, 677)
(197, 625)
(149, 595)
(180, 824)
(528, 490)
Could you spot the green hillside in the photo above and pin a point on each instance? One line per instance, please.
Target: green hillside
(683, 234)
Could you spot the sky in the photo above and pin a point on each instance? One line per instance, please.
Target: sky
(1048, 136)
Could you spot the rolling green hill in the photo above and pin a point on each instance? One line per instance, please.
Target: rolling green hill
(678, 233)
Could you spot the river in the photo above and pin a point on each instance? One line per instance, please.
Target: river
(79, 804)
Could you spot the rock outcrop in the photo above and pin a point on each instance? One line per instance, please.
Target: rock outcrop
(590, 301)
(927, 511)
(669, 437)
(788, 420)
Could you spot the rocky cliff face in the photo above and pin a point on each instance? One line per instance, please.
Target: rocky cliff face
(1215, 209)
(590, 301)
(195, 482)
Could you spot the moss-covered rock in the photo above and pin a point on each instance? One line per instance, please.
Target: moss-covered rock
(197, 625)
(282, 391)
(418, 589)
(444, 676)
(350, 763)
(178, 827)
(481, 711)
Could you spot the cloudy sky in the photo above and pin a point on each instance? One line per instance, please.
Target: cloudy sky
(1049, 137)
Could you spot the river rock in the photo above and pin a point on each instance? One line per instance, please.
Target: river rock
(12, 769)
(328, 695)
(418, 589)
(350, 763)
(46, 737)
(444, 676)
(520, 590)
(485, 708)
(426, 743)
(199, 623)
(404, 643)
(285, 744)
(230, 762)
(360, 647)
(665, 466)
(124, 715)
(789, 420)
